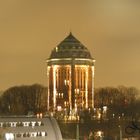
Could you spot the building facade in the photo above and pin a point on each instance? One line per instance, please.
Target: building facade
(29, 128)
(70, 71)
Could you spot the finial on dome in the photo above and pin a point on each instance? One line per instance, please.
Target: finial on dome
(70, 33)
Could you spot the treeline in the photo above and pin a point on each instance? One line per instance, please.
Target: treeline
(20, 100)
(120, 101)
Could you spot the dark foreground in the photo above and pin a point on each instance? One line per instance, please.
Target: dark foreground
(101, 130)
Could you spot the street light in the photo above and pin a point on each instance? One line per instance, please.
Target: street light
(77, 131)
(120, 131)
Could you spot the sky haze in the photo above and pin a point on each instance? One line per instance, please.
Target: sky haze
(30, 29)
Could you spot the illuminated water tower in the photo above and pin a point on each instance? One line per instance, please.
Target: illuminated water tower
(70, 71)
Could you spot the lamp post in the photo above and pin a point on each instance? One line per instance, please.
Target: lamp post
(77, 131)
(120, 132)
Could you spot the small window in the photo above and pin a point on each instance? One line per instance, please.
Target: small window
(33, 124)
(39, 123)
(13, 124)
(43, 134)
(38, 133)
(1, 124)
(19, 124)
(33, 134)
(9, 136)
(26, 124)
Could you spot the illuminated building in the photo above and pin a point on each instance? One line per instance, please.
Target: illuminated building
(70, 71)
(29, 128)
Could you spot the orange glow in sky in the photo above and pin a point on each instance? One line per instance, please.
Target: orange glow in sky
(30, 29)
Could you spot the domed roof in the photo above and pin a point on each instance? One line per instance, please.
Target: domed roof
(70, 47)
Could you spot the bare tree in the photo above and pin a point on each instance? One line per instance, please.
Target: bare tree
(22, 99)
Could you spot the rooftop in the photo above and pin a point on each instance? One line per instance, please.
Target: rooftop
(70, 47)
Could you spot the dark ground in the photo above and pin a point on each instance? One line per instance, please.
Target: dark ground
(111, 129)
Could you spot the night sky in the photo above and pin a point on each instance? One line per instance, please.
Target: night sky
(30, 29)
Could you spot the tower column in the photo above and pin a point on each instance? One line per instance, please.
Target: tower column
(92, 86)
(72, 84)
(54, 87)
(48, 91)
(70, 88)
(86, 87)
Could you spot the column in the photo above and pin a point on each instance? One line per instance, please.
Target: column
(54, 86)
(86, 87)
(48, 93)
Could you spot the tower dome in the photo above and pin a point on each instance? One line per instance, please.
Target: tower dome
(70, 47)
